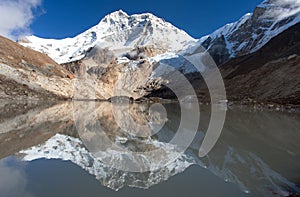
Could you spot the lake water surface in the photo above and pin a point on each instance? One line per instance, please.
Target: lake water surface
(79, 149)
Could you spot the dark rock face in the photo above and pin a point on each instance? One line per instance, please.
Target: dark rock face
(97, 71)
(95, 63)
(218, 50)
(73, 67)
(142, 52)
(164, 92)
(252, 31)
(101, 56)
(270, 74)
(258, 11)
(121, 99)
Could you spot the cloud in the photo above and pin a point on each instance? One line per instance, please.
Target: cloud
(13, 178)
(16, 17)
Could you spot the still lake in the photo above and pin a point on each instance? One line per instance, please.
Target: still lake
(80, 149)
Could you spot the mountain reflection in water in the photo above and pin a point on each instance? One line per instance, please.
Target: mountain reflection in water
(258, 150)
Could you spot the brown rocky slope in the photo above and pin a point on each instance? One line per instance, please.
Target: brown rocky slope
(271, 74)
(28, 74)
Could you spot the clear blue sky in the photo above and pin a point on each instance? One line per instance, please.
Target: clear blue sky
(67, 18)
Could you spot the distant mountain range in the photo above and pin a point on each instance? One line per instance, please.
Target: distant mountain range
(120, 32)
(133, 49)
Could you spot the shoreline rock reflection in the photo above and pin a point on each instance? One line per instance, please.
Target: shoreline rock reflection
(261, 166)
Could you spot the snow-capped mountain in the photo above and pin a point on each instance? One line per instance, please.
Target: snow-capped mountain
(120, 32)
(116, 31)
(252, 31)
(135, 55)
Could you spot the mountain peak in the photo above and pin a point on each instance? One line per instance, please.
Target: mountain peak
(117, 31)
(282, 3)
(277, 9)
(113, 17)
(252, 31)
(123, 17)
(117, 14)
